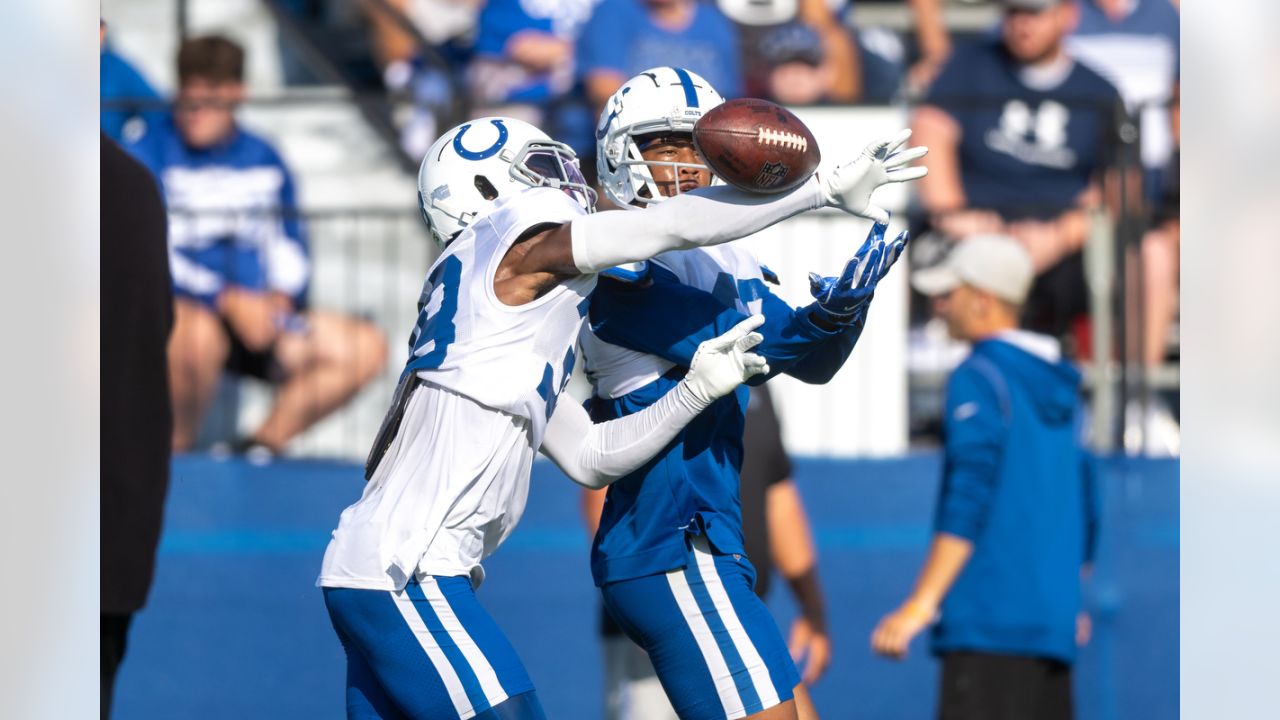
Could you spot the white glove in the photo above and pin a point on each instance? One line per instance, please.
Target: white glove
(849, 186)
(723, 363)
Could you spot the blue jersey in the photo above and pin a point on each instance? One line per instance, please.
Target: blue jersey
(1024, 152)
(643, 334)
(622, 38)
(232, 215)
(118, 82)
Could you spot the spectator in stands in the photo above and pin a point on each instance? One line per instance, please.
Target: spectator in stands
(1016, 518)
(241, 266)
(932, 41)
(524, 67)
(1134, 45)
(776, 534)
(129, 102)
(448, 26)
(838, 56)
(796, 72)
(1160, 248)
(626, 37)
(1018, 135)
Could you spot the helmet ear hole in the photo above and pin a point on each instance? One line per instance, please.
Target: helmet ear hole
(485, 188)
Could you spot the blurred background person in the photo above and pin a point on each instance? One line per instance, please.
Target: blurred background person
(241, 265)
(837, 53)
(1019, 133)
(1015, 522)
(1134, 45)
(797, 74)
(626, 37)
(397, 31)
(933, 44)
(524, 67)
(776, 535)
(137, 315)
(128, 100)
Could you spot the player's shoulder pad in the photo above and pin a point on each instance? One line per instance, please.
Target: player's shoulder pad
(635, 273)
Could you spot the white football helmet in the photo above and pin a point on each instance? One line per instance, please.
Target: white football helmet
(470, 166)
(662, 100)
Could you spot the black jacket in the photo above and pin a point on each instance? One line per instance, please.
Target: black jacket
(137, 315)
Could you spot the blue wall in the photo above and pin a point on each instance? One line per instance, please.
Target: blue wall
(236, 628)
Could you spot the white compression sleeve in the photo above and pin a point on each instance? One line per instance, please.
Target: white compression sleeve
(707, 216)
(596, 454)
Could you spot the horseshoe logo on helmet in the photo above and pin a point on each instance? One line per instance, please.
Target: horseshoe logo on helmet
(487, 152)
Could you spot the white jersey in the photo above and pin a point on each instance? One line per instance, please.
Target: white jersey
(730, 271)
(510, 358)
(453, 483)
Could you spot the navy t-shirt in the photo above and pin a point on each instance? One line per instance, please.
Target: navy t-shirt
(1023, 152)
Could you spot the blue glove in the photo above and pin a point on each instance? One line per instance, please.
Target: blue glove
(845, 299)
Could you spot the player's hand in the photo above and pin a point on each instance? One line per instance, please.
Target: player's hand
(810, 649)
(849, 187)
(845, 299)
(896, 630)
(723, 363)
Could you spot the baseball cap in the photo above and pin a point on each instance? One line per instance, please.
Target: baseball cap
(995, 263)
(759, 12)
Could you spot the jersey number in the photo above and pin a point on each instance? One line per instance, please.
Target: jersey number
(437, 326)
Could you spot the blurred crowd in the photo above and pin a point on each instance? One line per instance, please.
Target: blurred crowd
(1031, 125)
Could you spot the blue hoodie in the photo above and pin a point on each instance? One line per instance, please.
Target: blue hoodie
(1018, 484)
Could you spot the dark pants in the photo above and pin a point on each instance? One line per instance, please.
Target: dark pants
(983, 686)
(114, 630)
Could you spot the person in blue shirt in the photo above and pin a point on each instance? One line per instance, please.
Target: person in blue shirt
(669, 553)
(524, 66)
(241, 266)
(1019, 135)
(129, 103)
(624, 37)
(1016, 519)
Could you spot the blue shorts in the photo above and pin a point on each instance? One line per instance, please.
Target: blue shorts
(713, 643)
(428, 651)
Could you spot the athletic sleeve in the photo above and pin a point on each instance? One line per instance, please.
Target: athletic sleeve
(596, 454)
(974, 429)
(702, 217)
(669, 319)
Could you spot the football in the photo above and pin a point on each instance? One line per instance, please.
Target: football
(756, 146)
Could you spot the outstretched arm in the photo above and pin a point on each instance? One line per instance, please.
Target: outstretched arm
(714, 215)
(595, 455)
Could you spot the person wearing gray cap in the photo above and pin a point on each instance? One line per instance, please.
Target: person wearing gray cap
(1016, 516)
